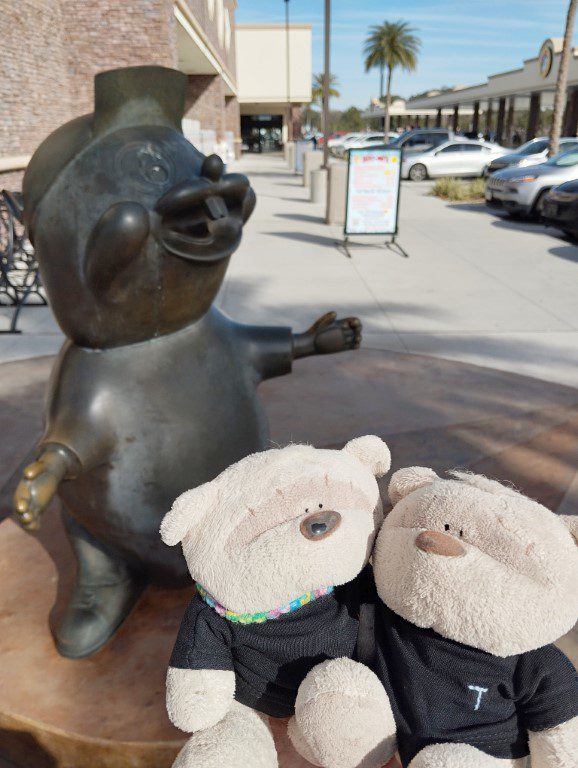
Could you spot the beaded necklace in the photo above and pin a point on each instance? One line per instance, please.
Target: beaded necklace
(259, 618)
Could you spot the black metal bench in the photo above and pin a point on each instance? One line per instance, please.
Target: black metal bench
(19, 278)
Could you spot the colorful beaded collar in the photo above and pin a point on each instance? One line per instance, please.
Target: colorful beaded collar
(259, 618)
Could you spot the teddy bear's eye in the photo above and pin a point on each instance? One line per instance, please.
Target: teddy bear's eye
(447, 526)
(461, 532)
(321, 506)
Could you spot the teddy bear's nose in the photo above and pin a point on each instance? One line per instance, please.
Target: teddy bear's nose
(438, 543)
(320, 525)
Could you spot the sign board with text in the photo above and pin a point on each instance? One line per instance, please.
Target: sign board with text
(373, 182)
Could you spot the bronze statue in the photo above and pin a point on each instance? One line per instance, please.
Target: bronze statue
(155, 390)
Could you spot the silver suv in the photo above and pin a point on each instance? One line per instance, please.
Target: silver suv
(530, 153)
(422, 139)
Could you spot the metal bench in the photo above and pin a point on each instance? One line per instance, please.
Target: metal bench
(19, 278)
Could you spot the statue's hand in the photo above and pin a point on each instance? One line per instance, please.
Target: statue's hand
(333, 335)
(38, 485)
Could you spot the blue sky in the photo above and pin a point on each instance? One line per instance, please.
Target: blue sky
(462, 42)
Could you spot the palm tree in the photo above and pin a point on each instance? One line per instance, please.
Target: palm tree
(390, 45)
(560, 96)
(317, 90)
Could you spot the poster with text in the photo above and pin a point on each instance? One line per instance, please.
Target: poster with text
(373, 180)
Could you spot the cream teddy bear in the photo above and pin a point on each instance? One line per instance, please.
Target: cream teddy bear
(475, 582)
(277, 545)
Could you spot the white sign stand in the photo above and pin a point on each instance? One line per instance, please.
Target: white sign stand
(372, 202)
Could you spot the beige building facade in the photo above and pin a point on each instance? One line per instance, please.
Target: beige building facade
(274, 79)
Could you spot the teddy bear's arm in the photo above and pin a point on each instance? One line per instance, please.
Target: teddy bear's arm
(555, 747)
(198, 698)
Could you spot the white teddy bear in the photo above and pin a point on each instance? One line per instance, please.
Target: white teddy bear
(475, 582)
(276, 544)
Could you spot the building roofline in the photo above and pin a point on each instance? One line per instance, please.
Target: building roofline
(273, 26)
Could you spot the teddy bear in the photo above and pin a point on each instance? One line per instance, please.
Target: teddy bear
(277, 545)
(475, 582)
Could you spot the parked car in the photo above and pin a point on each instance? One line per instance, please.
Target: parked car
(338, 141)
(421, 139)
(531, 153)
(370, 140)
(461, 157)
(560, 207)
(333, 137)
(522, 191)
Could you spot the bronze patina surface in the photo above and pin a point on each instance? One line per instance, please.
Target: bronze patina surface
(155, 390)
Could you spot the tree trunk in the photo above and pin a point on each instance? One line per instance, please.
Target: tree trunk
(560, 97)
(381, 82)
(386, 122)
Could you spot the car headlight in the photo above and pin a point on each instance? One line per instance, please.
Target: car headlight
(523, 179)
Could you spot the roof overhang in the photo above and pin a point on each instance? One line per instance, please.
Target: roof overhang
(196, 54)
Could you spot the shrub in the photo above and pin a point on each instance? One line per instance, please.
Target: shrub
(457, 190)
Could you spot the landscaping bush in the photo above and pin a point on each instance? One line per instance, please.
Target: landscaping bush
(457, 190)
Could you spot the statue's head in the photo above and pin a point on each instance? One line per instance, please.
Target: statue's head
(133, 227)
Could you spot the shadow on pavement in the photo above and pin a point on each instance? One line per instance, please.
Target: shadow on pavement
(567, 252)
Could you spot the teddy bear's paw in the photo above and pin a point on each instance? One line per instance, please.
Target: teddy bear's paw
(198, 698)
(242, 738)
(343, 717)
(460, 756)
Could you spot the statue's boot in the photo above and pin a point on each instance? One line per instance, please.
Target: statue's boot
(103, 596)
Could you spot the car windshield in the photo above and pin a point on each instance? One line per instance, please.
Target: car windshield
(400, 138)
(533, 147)
(563, 159)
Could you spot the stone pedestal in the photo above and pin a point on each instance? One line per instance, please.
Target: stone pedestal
(336, 194)
(319, 186)
(108, 711)
(311, 162)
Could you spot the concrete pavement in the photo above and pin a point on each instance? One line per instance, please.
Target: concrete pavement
(476, 288)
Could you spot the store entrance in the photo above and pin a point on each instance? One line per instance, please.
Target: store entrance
(261, 133)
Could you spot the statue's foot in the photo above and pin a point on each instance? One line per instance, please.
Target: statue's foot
(94, 614)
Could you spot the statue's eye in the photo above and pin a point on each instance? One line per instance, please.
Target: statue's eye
(144, 164)
(153, 167)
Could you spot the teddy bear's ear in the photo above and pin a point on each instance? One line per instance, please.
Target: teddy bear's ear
(571, 522)
(404, 481)
(372, 452)
(188, 509)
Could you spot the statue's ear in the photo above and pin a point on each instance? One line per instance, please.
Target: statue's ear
(372, 452)
(571, 522)
(187, 512)
(404, 481)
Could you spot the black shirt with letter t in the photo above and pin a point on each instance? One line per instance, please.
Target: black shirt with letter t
(444, 691)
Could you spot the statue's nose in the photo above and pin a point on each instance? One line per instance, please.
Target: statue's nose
(320, 525)
(212, 168)
(438, 543)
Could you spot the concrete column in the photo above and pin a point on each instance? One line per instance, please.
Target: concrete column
(439, 119)
(456, 118)
(319, 186)
(416, 121)
(476, 118)
(534, 115)
(336, 194)
(510, 118)
(501, 120)
(489, 115)
(571, 115)
(426, 121)
(311, 162)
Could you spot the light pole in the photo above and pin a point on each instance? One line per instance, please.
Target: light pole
(326, 84)
(288, 73)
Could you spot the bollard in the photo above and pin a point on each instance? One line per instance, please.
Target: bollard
(336, 193)
(319, 186)
(311, 162)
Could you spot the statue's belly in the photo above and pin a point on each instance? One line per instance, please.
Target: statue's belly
(173, 432)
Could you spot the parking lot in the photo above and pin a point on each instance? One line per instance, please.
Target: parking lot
(476, 287)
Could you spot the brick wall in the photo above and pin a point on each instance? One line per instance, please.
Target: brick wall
(51, 50)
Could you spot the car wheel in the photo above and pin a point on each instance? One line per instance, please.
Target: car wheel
(538, 207)
(418, 172)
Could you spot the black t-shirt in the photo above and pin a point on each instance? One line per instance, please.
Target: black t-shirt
(271, 659)
(443, 691)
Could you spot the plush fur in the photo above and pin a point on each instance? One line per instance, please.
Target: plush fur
(460, 756)
(343, 717)
(556, 747)
(241, 739)
(240, 533)
(242, 539)
(198, 698)
(516, 553)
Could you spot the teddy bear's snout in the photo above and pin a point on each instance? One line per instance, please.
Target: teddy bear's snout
(438, 543)
(320, 525)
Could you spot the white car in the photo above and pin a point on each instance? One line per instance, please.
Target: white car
(453, 158)
(339, 140)
(362, 140)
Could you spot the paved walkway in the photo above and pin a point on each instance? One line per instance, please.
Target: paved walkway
(476, 288)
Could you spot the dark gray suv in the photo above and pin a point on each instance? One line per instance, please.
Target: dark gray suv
(421, 139)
